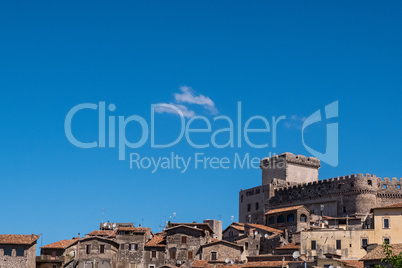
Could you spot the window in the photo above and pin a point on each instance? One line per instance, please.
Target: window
(364, 242)
(386, 241)
(53, 255)
(246, 245)
(133, 246)
(214, 256)
(338, 244)
(291, 218)
(190, 255)
(257, 206)
(248, 207)
(241, 198)
(88, 249)
(280, 219)
(20, 251)
(101, 249)
(369, 182)
(153, 254)
(184, 239)
(271, 220)
(398, 186)
(172, 255)
(386, 223)
(122, 246)
(303, 218)
(257, 191)
(313, 245)
(151, 266)
(344, 209)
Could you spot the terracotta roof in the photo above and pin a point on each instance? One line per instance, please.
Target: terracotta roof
(353, 263)
(156, 241)
(18, 239)
(185, 226)
(134, 229)
(108, 233)
(396, 205)
(206, 264)
(203, 226)
(378, 252)
(266, 264)
(278, 210)
(222, 242)
(61, 244)
(265, 228)
(289, 246)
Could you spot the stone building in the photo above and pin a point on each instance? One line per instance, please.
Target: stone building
(57, 254)
(233, 232)
(155, 251)
(292, 219)
(292, 180)
(221, 250)
(18, 251)
(374, 257)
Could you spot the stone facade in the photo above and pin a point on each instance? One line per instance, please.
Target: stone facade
(290, 180)
(222, 250)
(18, 251)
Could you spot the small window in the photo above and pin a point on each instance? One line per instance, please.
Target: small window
(172, 255)
(88, 249)
(153, 254)
(184, 239)
(214, 256)
(384, 186)
(241, 198)
(20, 251)
(369, 182)
(364, 242)
(257, 206)
(248, 207)
(133, 247)
(386, 223)
(313, 245)
(303, 218)
(151, 266)
(344, 209)
(53, 254)
(280, 219)
(101, 249)
(338, 244)
(386, 241)
(398, 186)
(7, 250)
(246, 245)
(122, 246)
(271, 220)
(190, 255)
(291, 218)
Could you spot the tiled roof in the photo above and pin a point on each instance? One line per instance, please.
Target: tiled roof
(378, 252)
(61, 244)
(396, 205)
(279, 210)
(265, 228)
(134, 229)
(156, 241)
(18, 239)
(266, 264)
(206, 264)
(353, 263)
(203, 226)
(289, 246)
(184, 226)
(216, 241)
(108, 233)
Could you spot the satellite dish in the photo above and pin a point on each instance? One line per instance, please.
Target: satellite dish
(114, 225)
(227, 260)
(331, 266)
(256, 233)
(105, 224)
(232, 261)
(150, 236)
(296, 254)
(266, 236)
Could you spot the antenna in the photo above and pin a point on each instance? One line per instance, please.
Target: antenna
(174, 215)
(103, 213)
(232, 218)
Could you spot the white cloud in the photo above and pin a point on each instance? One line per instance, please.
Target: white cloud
(188, 96)
(164, 108)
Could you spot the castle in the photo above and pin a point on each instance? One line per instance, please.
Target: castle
(291, 180)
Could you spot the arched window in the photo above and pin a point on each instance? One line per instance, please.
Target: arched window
(280, 219)
(271, 220)
(20, 251)
(303, 218)
(291, 218)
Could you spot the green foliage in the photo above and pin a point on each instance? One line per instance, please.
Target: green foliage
(390, 259)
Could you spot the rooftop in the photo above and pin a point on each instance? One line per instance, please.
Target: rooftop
(279, 210)
(18, 239)
(378, 252)
(61, 244)
(265, 228)
(156, 241)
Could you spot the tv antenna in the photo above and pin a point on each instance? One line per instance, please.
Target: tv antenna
(232, 218)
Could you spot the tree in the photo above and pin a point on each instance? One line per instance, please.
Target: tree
(390, 259)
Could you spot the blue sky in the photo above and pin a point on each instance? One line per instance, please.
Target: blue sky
(276, 58)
